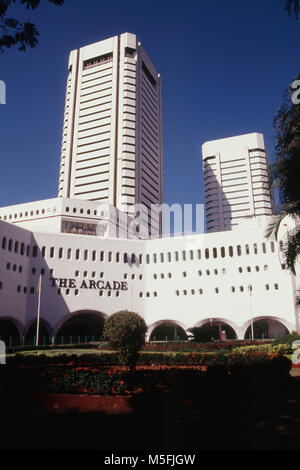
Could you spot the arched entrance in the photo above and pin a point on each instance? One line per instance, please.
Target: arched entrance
(266, 328)
(80, 327)
(213, 329)
(167, 330)
(9, 332)
(31, 333)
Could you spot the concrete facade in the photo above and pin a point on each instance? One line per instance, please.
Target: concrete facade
(236, 181)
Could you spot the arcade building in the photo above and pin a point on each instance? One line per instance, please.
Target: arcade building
(97, 248)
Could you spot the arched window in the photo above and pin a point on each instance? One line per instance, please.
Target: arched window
(206, 253)
(264, 248)
(239, 250)
(223, 251)
(230, 251)
(215, 254)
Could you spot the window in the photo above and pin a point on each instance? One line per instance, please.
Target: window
(249, 269)
(266, 267)
(242, 288)
(85, 255)
(161, 257)
(233, 289)
(223, 251)
(76, 273)
(247, 249)
(255, 249)
(177, 292)
(257, 268)
(118, 257)
(69, 253)
(176, 256)
(147, 259)
(184, 274)
(230, 251)
(216, 271)
(264, 248)
(276, 286)
(267, 287)
(191, 255)
(154, 258)
(60, 253)
(85, 274)
(239, 250)
(3, 243)
(206, 253)
(216, 290)
(16, 247)
(77, 254)
(199, 254)
(101, 256)
(200, 273)
(223, 270)
(215, 254)
(52, 252)
(200, 291)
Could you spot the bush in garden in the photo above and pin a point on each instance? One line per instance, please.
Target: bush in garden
(268, 348)
(287, 339)
(126, 331)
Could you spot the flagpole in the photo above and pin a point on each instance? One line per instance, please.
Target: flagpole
(38, 312)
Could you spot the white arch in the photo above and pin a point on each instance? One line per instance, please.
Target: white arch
(288, 325)
(69, 315)
(152, 327)
(230, 323)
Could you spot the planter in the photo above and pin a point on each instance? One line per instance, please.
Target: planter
(61, 402)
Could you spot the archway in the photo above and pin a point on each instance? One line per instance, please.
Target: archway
(9, 332)
(213, 329)
(81, 327)
(168, 331)
(266, 328)
(30, 334)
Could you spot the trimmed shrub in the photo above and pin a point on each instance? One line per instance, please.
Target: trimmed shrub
(126, 331)
(269, 348)
(287, 339)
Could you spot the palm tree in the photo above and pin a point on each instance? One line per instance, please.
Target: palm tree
(286, 172)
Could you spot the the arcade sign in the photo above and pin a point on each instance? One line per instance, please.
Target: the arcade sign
(88, 284)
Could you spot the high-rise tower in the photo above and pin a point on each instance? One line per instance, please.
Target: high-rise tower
(236, 180)
(112, 134)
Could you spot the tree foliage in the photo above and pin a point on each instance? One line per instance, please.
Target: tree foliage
(126, 331)
(292, 5)
(17, 33)
(286, 171)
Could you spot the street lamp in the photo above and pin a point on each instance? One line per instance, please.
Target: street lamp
(250, 298)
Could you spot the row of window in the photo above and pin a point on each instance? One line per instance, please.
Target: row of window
(138, 259)
(22, 248)
(233, 289)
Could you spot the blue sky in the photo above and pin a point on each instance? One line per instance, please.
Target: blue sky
(224, 68)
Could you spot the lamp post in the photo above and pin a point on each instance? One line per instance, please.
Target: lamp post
(251, 319)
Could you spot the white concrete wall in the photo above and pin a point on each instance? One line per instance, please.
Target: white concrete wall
(160, 290)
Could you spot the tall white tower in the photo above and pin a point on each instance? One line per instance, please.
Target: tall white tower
(112, 134)
(236, 181)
